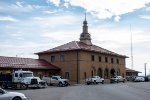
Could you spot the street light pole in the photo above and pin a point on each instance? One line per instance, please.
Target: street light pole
(145, 68)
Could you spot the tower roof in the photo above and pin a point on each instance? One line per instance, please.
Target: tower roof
(85, 37)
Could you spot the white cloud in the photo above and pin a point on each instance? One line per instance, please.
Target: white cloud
(18, 7)
(117, 18)
(49, 12)
(56, 2)
(8, 18)
(67, 35)
(104, 9)
(114, 38)
(19, 4)
(53, 21)
(145, 16)
(148, 9)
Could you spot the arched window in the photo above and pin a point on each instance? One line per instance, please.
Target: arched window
(112, 72)
(106, 73)
(99, 72)
(84, 75)
(92, 73)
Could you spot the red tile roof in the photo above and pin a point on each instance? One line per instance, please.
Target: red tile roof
(29, 63)
(77, 45)
(131, 70)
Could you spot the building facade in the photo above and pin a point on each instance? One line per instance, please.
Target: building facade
(38, 67)
(81, 59)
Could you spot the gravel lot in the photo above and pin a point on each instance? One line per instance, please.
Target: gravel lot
(120, 91)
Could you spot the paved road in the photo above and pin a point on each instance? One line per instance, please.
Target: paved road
(121, 91)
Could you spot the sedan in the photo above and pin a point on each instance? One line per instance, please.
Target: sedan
(4, 95)
(139, 79)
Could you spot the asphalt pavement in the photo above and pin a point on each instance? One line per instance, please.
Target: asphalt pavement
(116, 91)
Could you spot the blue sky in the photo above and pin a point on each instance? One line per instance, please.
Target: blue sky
(30, 26)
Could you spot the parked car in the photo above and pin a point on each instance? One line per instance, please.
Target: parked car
(56, 80)
(117, 79)
(147, 78)
(4, 95)
(94, 80)
(139, 79)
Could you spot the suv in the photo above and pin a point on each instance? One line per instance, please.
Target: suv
(117, 79)
(94, 80)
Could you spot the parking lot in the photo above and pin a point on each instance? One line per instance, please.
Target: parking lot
(116, 91)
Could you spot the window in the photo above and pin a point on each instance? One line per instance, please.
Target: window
(84, 75)
(16, 74)
(112, 60)
(20, 75)
(91, 73)
(100, 58)
(52, 58)
(92, 57)
(117, 61)
(67, 75)
(55, 78)
(62, 58)
(106, 59)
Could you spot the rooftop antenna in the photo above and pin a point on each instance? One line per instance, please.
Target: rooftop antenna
(131, 49)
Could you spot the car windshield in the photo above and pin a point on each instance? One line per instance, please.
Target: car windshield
(59, 77)
(27, 75)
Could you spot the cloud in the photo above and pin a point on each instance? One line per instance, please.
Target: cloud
(113, 37)
(55, 21)
(8, 18)
(67, 35)
(104, 9)
(117, 18)
(18, 7)
(19, 4)
(148, 9)
(145, 16)
(56, 2)
(49, 12)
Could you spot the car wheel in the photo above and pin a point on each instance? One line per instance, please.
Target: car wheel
(102, 82)
(60, 84)
(24, 86)
(88, 83)
(123, 81)
(66, 84)
(94, 81)
(3, 86)
(16, 98)
(117, 81)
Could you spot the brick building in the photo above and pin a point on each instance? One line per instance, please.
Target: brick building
(81, 59)
(38, 67)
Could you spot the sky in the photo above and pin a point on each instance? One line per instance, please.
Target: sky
(31, 26)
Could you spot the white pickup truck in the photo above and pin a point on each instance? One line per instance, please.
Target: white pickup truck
(56, 80)
(94, 80)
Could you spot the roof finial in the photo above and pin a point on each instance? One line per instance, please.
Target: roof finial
(85, 15)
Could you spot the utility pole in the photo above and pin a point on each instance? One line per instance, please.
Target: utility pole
(145, 68)
(131, 49)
